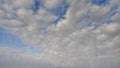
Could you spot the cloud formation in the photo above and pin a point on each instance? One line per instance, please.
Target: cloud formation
(87, 36)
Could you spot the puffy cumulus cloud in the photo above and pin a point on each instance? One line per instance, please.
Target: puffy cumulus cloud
(113, 29)
(88, 36)
(51, 4)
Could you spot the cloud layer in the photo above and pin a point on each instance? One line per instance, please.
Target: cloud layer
(86, 34)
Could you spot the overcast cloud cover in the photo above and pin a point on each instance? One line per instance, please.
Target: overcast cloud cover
(60, 33)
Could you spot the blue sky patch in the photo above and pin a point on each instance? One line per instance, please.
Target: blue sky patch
(7, 39)
(100, 2)
(36, 5)
(60, 12)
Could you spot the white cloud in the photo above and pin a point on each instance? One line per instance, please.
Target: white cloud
(73, 41)
(101, 37)
(113, 28)
(50, 4)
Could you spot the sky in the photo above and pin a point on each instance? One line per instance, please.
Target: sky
(59, 33)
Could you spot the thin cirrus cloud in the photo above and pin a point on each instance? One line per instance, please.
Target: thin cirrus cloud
(60, 33)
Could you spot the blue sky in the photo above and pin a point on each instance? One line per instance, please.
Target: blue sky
(9, 40)
(100, 2)
(36, 5)
(59, 33)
